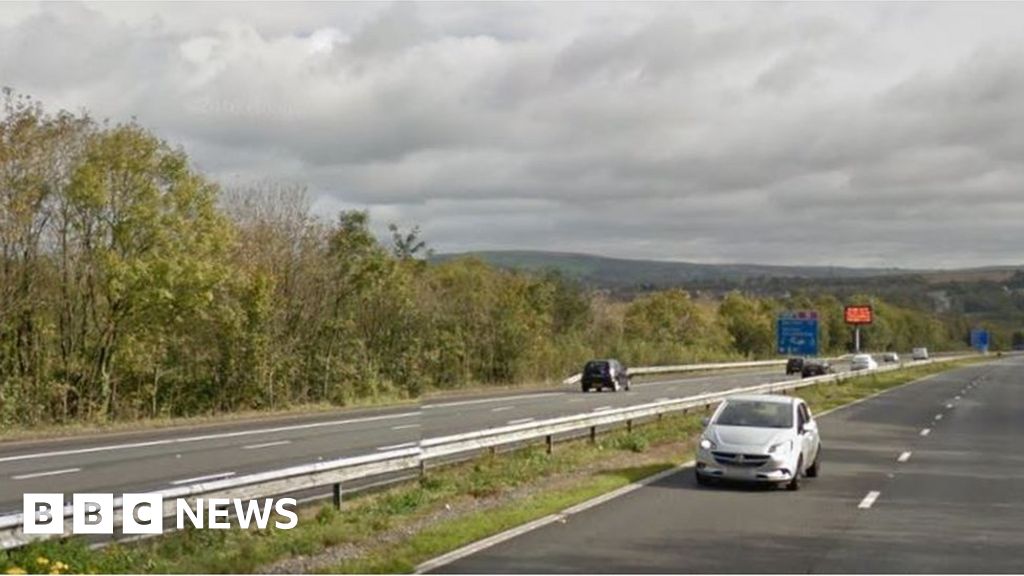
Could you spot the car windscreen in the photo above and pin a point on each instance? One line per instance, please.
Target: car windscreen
(596, 368)
(756, 414)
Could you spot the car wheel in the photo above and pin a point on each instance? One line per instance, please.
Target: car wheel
(586, 388)
(815, 468)
(794, 484)
(702, 480)
(627, 384)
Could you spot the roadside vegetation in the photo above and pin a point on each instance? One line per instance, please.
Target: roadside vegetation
(395, 530)
(135, 288)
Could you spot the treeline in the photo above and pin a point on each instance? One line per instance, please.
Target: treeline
(132, 286)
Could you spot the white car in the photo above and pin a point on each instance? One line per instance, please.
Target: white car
(759, 438)
(919, 354)
(863, 362)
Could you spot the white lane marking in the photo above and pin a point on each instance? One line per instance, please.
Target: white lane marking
(957, 397)
(949, 406)
(938, 416)
(904, 457)
(521, 421)
(502, 408)
(926, 431)
(266, 445)
(869, 499)
(575, 399)
(662, 399)
(601, 408)
(397, 446)
(405, 427)
(486, 400)
(202, 478)
(203, 437)
(41, 474)
(470, 549)
(875, 395)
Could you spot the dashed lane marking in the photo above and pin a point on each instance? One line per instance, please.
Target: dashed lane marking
(42, 474)
(869, 500)
(266, 445)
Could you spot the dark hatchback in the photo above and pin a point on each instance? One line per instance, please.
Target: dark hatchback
(601, 374)
(794, 366)
(815, 368)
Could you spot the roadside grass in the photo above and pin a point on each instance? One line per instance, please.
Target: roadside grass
(396, 529)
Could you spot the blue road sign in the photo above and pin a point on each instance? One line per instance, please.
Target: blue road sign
(979, 339)
(797, 333)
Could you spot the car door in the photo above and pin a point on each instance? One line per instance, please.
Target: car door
(809, 438)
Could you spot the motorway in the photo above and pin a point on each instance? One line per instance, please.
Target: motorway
(927, 477)
(161, 459)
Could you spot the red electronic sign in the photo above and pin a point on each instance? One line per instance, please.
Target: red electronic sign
(858, 315)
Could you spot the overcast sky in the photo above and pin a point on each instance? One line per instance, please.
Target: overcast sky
(867, 134)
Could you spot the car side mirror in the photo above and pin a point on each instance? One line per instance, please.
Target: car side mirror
(705, 421)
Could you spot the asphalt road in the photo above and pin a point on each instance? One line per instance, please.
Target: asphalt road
(892, 498)
(160, 459)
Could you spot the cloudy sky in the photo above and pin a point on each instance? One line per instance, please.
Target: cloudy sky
(834, 134)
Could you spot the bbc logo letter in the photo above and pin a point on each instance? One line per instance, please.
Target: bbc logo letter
(43, 513)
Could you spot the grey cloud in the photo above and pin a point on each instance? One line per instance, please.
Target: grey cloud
(784, 133)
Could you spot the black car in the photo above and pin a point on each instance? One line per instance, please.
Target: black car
(601, 374)
(815, 368)
(794, 366)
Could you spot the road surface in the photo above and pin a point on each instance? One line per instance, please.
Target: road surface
(927, 477)
(160, 459)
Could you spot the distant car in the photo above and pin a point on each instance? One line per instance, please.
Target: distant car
(919, 353)
(794, 366)
(863, 362)
(759, 438)
(890, 357)
(815, 368)
(601, 374)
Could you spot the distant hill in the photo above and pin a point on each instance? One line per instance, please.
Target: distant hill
(991, 296)
(618, 272)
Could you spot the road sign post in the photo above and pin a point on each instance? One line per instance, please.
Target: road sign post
(858, 316)
(980, 340)
(797, 333)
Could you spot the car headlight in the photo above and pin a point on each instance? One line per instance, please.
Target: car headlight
(707, 444)
(781, 447)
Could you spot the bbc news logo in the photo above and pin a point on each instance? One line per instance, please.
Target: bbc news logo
(144, 513)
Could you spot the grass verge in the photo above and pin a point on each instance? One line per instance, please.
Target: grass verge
(395, 530)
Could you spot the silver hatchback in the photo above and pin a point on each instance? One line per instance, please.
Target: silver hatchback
(761, 438)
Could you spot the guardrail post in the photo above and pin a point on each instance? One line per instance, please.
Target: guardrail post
(629, 425)
(550, 441)
(337, 494)
(593, 434)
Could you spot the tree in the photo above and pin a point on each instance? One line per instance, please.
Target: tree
(408, 245)
(749, 323)
(148, 239)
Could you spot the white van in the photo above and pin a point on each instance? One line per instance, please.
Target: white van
(919, 354)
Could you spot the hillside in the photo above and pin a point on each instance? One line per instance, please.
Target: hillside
(602, 272)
